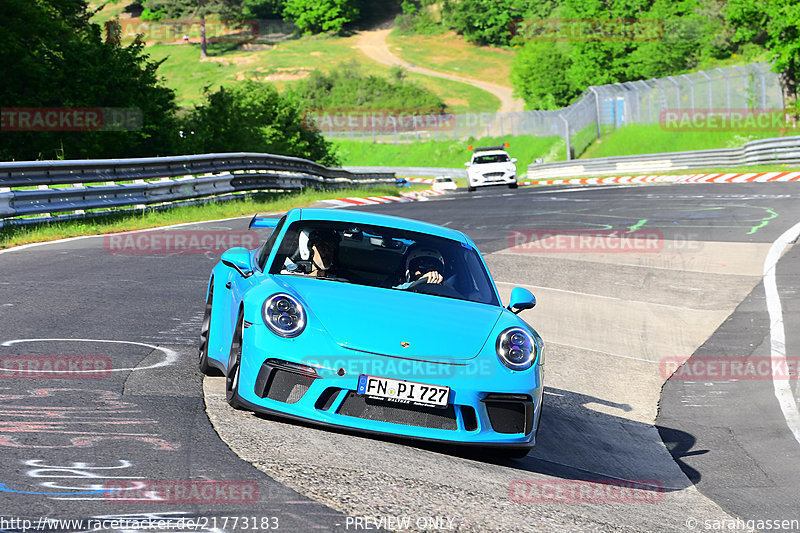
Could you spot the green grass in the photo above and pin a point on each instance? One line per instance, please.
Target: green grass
(285, 63)
(452, 54)
(647, 139)
(126, 221)
(447, 154)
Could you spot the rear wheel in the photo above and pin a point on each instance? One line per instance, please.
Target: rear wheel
(234, 365)
(513, 185)
(471, 189)
(205, 329)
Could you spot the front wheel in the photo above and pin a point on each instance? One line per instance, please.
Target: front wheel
(470, 189)
(513, 185)
(205, 332)
(234, 365)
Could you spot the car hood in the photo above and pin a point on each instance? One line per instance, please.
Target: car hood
(377, 320)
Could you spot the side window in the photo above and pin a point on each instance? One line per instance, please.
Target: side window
(267, 247)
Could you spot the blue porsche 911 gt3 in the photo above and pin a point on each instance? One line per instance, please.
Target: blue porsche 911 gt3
(378, 324)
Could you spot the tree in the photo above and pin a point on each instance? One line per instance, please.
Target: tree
(200, 9)
(315, 16)
(252, 117)
(776, 24)
(53, 57)
(538, 76)
(484, 22)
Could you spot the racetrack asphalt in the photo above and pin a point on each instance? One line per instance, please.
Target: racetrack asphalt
(609, 319)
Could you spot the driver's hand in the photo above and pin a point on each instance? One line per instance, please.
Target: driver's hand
(433, 277)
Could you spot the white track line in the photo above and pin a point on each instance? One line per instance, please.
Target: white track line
(783, 392)
(170, 356)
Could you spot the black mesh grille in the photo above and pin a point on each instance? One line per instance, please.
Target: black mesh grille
(469, 417)
(408, 415)
(510, 413)
(326, 399)
(287, 386)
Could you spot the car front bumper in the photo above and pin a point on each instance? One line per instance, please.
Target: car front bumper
(482, 180)
(489, 404)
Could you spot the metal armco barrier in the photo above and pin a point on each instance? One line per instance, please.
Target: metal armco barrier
(762, 152)
(177, 178)
(424, 172)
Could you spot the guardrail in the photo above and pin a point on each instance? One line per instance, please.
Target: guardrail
(422, 172)
(761, 152)
(61, 186)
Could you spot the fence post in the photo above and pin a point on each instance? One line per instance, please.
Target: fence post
(691, 90)
(566, 136)
(745, 86)
(678, 92)
(710, 97)
(596, 107)
(727, 89)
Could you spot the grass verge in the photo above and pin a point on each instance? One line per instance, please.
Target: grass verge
(14, 235)
(446, 154)
(638, 139)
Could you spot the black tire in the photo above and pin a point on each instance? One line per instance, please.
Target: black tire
(234, 364)
(470, 189)
(205, 329)
(513, 185)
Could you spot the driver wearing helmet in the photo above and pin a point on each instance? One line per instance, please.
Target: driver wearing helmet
(423, 265)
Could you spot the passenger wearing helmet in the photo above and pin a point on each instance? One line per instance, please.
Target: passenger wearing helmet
(316, 254)
(323, 246)
(423, 265)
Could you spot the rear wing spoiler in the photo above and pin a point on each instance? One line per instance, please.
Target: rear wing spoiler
(259, 221)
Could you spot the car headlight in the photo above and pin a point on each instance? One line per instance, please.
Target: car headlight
(516, 348)
(284, 315)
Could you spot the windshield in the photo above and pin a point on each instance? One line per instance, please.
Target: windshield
(383, 257)
(492, 158)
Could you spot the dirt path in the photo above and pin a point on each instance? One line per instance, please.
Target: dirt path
(373, 44)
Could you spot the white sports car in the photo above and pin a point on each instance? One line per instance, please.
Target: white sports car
(491, 165)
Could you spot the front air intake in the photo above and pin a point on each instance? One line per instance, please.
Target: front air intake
(283, 381)
(510, 413)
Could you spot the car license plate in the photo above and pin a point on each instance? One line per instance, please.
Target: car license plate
(403, 391)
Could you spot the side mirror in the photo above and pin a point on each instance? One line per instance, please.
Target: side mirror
(239, 260)
(521, 299)
(513, 159)
(467, 164)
